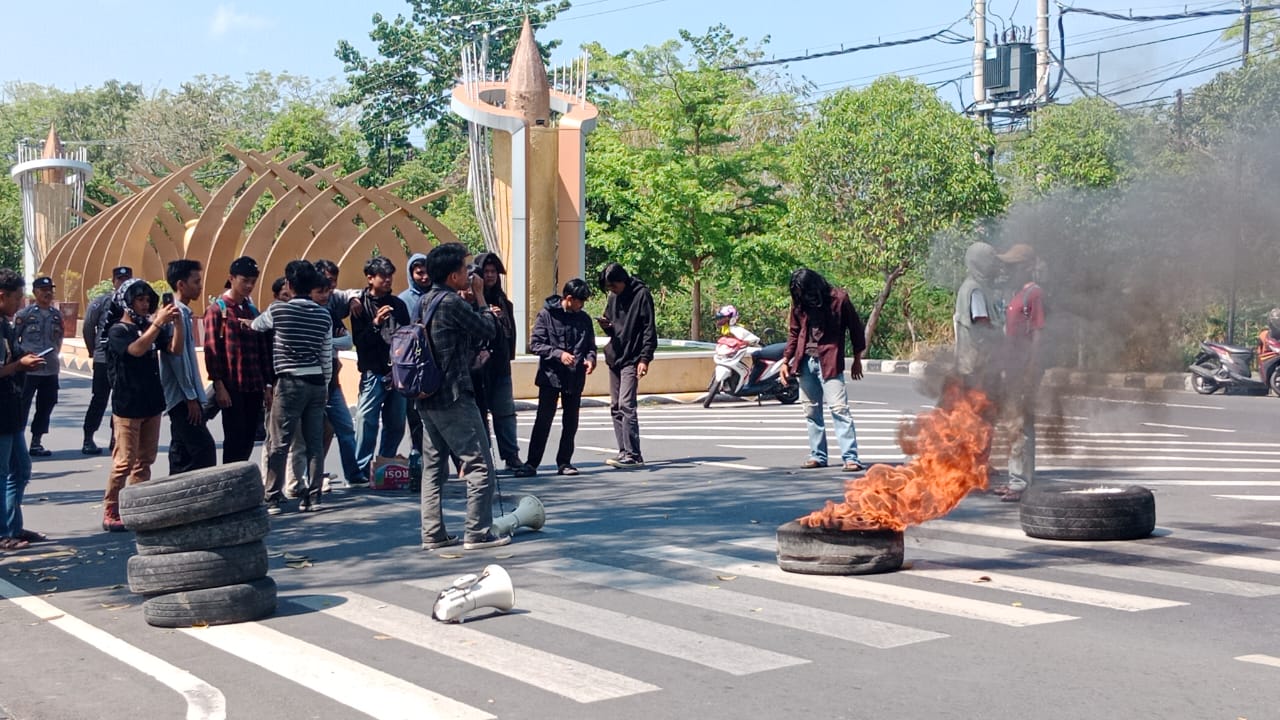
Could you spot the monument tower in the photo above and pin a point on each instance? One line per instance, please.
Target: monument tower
(52, 182)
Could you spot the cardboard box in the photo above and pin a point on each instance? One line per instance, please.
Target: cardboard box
(390, 477)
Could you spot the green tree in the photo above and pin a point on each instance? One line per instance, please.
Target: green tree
(879, 171)
(307, 128)
(1264, 31)
(1088, 143)
(683, 184)
(407, 83)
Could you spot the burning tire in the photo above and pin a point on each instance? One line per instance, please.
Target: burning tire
(819, 551)
(1060, 511)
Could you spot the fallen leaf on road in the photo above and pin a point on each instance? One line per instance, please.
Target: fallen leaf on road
(450, 556)
(727, 577)
(117, 587)
(201, 624)
(298, 564)
(503, 557)
(908, 565)
(57, 553)
(116, 606)
(276, 554)
(15, 570)
(381, 637)
(47, 578)
(291, 556)
(984, 578)
(755, 522)
(1017, 604)
(49, 592)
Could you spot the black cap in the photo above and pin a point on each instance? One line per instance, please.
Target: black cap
(245, 267)
(123, 272)
(44, 281)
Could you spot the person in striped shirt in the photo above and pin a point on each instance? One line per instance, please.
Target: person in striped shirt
(302, 356)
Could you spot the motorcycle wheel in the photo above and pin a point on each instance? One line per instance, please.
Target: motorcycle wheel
(1274, 381)
(790, 393)
(712, 389)
(1204, 385)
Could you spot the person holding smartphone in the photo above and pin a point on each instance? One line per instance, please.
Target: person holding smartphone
(15, 463)
(191, 446)
(39, 330)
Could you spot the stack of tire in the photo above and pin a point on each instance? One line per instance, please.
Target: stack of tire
(201, 558)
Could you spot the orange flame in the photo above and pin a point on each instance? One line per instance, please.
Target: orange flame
(949, 446)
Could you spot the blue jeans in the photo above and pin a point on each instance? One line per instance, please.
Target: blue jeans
(15, 466)
(815, 391)
(344, 431)
(378, 400)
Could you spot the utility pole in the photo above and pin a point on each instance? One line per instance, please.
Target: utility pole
(979, 52)
(1246, 7)
(1042, 51)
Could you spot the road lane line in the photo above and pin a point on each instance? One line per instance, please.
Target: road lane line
(1187, 427)
(1163, 456)
(1260, 660)
(858, 588)
(727, 656)
(577, 681)
(1254, 498)
(1212, 537)
(358, 686)
(1146, 549)
(204, 701)
(1119, 479)
(860, 630)
(1111, 600)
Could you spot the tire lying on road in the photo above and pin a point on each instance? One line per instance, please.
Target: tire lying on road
(238, 528)
(191, 497)
(240, 602)
(1069, 511)
(820, 551)
(197, 569)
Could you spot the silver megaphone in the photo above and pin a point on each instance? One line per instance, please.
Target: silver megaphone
(528, 513)
(491, 588)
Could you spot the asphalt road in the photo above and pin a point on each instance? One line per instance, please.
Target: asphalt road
(654, 593)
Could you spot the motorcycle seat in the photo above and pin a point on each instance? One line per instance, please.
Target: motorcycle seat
(1234, 348)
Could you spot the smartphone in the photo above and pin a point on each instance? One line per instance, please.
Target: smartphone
(166, 299)
(44, 352)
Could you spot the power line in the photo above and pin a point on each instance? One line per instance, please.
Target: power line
(858, 48)
(1155, 18)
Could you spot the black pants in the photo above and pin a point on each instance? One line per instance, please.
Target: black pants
(44, 388)
(191, 447)
(623, 384)
(415, 427)
(98, 401)
(239, 425)
(571, 403)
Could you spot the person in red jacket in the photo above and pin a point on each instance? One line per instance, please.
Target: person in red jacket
(822, 320)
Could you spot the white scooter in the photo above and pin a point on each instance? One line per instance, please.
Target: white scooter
(743, 370)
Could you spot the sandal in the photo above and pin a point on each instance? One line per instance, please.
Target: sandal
(32, 536)
(14, 544)
(854, 466)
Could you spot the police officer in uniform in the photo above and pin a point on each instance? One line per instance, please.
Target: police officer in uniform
(38, 328)
(95, 339)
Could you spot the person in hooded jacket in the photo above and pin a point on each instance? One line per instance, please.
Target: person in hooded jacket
(566, 348)
(499, 398)
(633, 338)
(419, 285)
(979, 324)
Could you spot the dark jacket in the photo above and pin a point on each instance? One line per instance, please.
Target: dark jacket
(633, 338)
(839, 319)
(95, 328)
(502, 348)
(412, 297)
(557, 331)
(373, 344)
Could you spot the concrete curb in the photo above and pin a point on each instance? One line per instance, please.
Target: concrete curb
(1056, 377)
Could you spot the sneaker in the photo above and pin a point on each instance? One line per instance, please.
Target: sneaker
(90, 448)
(38, 450)
(324, 484)
(489, 541)
(449, 541)
(273, 507)
(567, 470)
(111, 521)
(360, 482)
(304, 505)
(526, 470)
(628, 463)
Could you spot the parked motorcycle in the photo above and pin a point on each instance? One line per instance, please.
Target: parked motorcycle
(1221, 366)
(743, 370)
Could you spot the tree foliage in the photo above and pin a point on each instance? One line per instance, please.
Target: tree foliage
(1088, 143)
(879, 171)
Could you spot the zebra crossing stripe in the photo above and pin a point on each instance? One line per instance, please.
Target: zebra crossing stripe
(1260, 660)
(863, 631)
(1214, 537)
(1142, 549)
(1150, 576)
(360, 687)
(1041, 588)
(727, 656)
(564, 677)
(859, 588)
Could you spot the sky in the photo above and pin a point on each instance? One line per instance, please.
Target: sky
(161, 43)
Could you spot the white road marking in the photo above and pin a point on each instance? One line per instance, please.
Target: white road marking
(1119, 479)
(863, 631)
(360, 687)
(1126, 572)
(726, 656)
(1254, 498)
(1260, 660)
(204, 701)
(577, 681)
(1167, 457)
(1143, 402)
(1148, 549)
(1187, 427)
(1118, 434)
(1219, 538)
(859, 588)
(1041, 588)
(1148, 448)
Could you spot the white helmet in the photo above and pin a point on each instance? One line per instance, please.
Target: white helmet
(727, 312)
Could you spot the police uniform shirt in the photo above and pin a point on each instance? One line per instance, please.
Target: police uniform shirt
(38, 329)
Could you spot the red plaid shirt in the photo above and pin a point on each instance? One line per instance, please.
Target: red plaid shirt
(233, 353)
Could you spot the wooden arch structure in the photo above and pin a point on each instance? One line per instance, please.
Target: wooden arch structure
(266, 210)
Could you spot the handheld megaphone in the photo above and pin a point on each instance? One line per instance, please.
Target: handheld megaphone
(491, 588)
(528, 513)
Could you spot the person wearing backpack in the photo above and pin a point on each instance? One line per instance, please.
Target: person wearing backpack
(565, 344)
(372, 329)
(1023, 326)
(455, 321)
(95, 341)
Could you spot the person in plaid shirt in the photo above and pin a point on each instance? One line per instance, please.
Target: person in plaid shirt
(238, 361)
